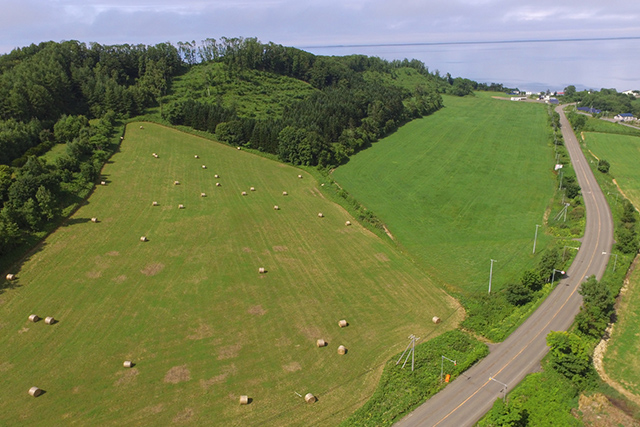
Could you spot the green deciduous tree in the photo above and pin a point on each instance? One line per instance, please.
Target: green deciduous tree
(597, 308)
(570, 355)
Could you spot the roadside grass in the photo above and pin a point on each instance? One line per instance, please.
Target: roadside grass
(603, 126)
(401, 390)
(542, 398)
(189, 307)
(460, 187)
(622, 360)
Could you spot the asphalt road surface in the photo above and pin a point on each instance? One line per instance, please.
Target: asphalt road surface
(470, 396)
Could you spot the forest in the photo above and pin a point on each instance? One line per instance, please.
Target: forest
(609, 101)
(352, 105)
(77, 96)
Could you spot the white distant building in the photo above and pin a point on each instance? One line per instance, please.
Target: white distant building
(625, 117)
(634, 93)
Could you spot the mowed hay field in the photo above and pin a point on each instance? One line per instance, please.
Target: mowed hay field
(189, 307)
(462, 186)
(622, 359)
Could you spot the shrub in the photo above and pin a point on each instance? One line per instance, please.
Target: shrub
(603, 166)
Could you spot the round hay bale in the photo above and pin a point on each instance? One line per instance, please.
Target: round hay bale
(216, 176)
(141, 127)
(321, 343)
(154, 155)
(284, 193)
(204, 166)
(180, 206)
(244, 400)
(11, 276)
(244, 193)
(203, 195)
(276, 207)
(252, 189)
(342, 350)
(94, 219)
(435, 319)
(103, 183)
(261, 270)
(49, 320)
(176, 182)
(128, 364)
(196, 156)
(347, 223)
(35, 391)
(320, 215)
(122, 138)
(34, 318)
(300, 176)
(343, 323)
(143, 239)
(238, 148)
(217, 184)
(154, 203)
(309, 398)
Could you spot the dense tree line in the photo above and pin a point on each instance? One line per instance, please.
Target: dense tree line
(49, 94)
(349, 110)
(40, 83)
(33, 195)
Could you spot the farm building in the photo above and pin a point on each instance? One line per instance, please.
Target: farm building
(625, 117)
(589, 110)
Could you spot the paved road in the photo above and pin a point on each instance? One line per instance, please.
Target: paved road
(470, 396)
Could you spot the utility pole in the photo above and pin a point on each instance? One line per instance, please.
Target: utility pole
(535, 239)
(411, 352)
(491, 274)
(615, 261)
(560, 187)
(553, 276)
(564, 251)
(442, 365)
(504, 390)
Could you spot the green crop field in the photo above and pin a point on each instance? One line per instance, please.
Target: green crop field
(189, 306)
(622, 360)
(461, 187)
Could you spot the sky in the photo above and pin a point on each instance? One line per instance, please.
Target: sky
(529, 44)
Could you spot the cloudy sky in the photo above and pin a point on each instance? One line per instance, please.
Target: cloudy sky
(531, 44)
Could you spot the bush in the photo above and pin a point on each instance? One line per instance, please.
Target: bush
(518, 294)
(603, 166)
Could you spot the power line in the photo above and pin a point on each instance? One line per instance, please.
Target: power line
(474, 42)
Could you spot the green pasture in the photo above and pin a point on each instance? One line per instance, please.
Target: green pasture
(622, 360)
(189, 307)
(461, 187)
(622, 152)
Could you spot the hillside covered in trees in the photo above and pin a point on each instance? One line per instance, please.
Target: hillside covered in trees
(307, 109)
(335, 105)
